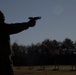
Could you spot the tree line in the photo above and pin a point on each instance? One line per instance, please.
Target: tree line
(47, 52)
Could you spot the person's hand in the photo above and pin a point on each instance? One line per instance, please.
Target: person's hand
(31, 23)
(33, 20)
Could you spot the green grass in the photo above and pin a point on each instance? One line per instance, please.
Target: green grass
(63, 70)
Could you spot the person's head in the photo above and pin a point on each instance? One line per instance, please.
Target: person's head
(2, 18)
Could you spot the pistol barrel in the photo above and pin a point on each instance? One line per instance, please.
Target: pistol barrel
(34, 18)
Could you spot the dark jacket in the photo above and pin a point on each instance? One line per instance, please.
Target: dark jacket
(5, 31)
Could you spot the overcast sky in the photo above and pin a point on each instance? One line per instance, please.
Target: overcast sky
(58, 19)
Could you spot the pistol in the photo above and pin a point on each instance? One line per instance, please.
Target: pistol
(34, 18)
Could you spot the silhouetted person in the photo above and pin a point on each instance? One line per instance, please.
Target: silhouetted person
(5, 52)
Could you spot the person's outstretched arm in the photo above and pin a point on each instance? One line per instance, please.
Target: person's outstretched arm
(18, 27)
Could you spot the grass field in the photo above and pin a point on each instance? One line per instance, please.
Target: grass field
(63, 70)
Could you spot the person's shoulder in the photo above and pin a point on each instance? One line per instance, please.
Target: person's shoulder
(6, 24)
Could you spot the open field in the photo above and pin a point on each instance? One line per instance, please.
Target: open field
(64, 70)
